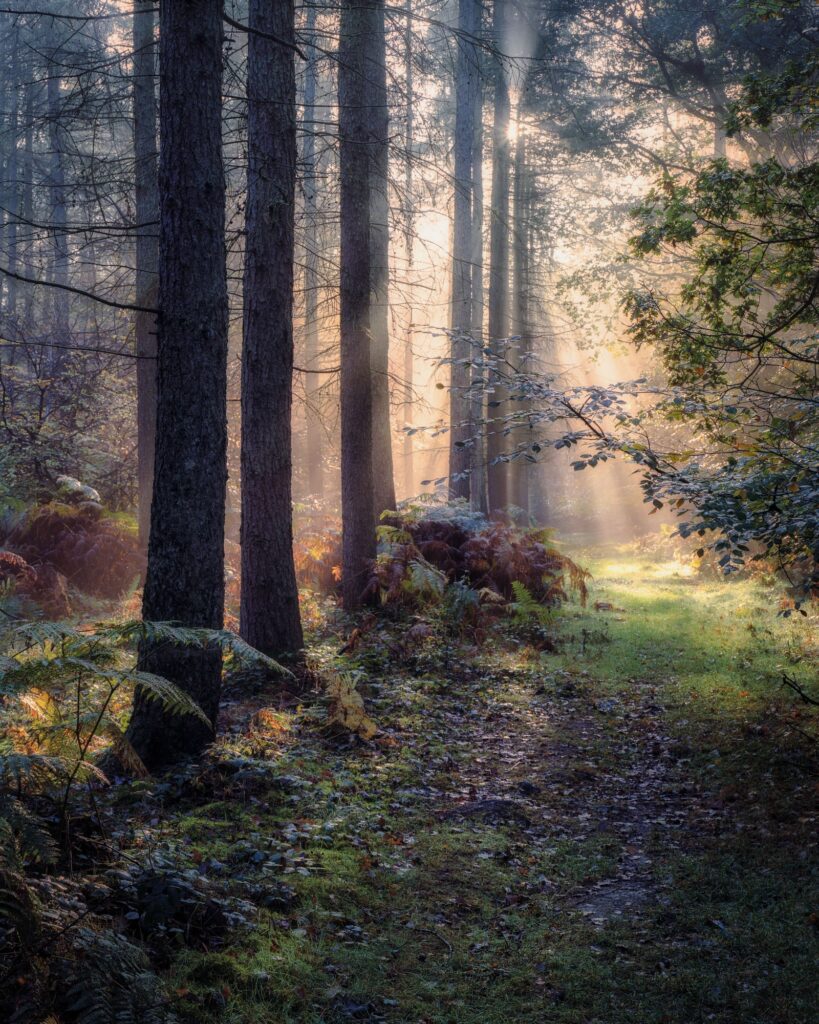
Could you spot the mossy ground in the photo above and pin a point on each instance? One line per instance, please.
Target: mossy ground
(652, 859)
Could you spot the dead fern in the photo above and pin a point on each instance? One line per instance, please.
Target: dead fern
(422, 556)
(347, 711)
(91, 551)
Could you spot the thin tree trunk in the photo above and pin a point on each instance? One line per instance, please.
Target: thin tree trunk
(376, 75)
(461, 352)
(719, 104)
(498, 269)
(314, 448)
(409, 240)
(7, 90)
(27, 193)
(185, 578)
(270, 597)
(147, 252)
(13, 178)
(355, 140)
(519, 468)
(478, 498)
(58, 273)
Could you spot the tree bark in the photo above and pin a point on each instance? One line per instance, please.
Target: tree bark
(407, 453)
(478, 498)
(28, 197)
(185, 577)
(314, 448)
(58, 270)
(498, 269)
(461, 349)
(519, 467)
(147, 252)
(13, 178)
(376, 74)
(269, 614)
(355, 143)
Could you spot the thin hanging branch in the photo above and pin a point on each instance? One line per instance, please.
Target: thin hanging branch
(78, 291)
(264, 35)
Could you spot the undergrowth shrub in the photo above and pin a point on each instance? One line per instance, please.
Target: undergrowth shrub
(65, 693)
(72, 687)
(94, 552)
(317, 555)
(43, 589)
(445, 556)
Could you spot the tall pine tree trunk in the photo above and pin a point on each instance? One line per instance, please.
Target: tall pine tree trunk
(407, 454)
(314, 447)
(13, 179)
(519, 467)
(147, 251)
(58, 270)
(185, 577)
(478, 498)
(269, 615)
(461, 351)
(498, 268)
(355, 142)
(376, 75)
(27, 196)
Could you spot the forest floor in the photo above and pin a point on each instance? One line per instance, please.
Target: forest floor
(620, 829)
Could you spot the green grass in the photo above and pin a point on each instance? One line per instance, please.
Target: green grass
(720, 642)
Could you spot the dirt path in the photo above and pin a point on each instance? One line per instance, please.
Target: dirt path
(575, 770)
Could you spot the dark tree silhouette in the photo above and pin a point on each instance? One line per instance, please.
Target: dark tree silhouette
(375, 71)
(467, 70)
(269, 614)
(146, 201)
(185, 577)
(359, 20)
(499, 262)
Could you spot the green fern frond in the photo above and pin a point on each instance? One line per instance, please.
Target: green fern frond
(26, 773)
(135, 631)
(173, 699)
(424, 581)
(111, 982)
(23, 836)
(17, 907)
(247, 655)
(525, 607)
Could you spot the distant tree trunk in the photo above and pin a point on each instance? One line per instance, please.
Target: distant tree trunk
(355, 141)
(270, 597)
(376, 75)
(519, 468)
(13, 178)
(6, 87)
(409, 240)
(719, 105)
(147, 251)
(478, 498)
(498, 267)
(185, 578)
(27, 192)
(58, 273)
(314, 447)
(466, 71)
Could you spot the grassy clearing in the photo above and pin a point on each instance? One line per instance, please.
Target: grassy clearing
(401, 915)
